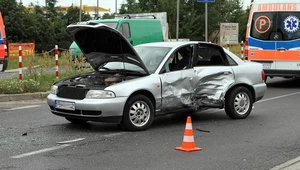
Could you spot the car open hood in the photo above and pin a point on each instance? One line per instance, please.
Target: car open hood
(101, 44)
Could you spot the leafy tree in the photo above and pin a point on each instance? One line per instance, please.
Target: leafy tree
(108, 16)
(130, 7)
(72, 15)
(192, 15)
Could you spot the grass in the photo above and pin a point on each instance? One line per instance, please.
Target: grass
(37, 79)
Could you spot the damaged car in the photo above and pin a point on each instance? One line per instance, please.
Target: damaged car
(132, 85)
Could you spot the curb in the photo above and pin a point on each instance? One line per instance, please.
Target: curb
(23, 96)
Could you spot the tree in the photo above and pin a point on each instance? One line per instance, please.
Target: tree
(192, 15)
(72, 15)
(108, 16)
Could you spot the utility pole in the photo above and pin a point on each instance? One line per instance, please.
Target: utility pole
(116, 10)
(206, 22)
(177, 21)
(97, 9)
(80, 6)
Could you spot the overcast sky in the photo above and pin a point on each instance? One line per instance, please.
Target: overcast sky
(103, 3)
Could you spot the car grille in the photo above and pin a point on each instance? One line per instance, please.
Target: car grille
(71, 92)
(78, 112)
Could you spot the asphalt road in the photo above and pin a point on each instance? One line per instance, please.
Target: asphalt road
(29, 137)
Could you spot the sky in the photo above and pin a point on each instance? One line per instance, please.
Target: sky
(102, 3)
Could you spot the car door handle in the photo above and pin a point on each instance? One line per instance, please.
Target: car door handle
(281, 49)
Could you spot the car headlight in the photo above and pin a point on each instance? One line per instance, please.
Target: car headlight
(99, 94)
(54, 89)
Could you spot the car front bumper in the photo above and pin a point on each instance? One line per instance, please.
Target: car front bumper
(102, 110)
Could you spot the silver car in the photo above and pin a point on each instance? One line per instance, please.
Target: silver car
(132, 85)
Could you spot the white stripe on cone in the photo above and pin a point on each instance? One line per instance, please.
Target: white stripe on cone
(189, 126)
(188, 138)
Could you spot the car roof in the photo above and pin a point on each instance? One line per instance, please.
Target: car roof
(171, 44)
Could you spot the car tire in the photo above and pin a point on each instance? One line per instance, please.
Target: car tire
(76, 121)
(238, 103)
(138, 113)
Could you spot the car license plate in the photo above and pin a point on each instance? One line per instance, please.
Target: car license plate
(266, 65)
(64, 105)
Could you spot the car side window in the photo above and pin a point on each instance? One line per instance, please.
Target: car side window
(125, 30)
(210, 55)
(180, 59)
(231, 61)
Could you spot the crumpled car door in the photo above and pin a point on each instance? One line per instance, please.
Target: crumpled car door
(213, 74)
(177, 88)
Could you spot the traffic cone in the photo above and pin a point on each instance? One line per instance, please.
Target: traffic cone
(188, 144)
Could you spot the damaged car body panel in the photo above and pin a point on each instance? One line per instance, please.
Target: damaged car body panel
(196, 86)
(101, 44)
(132, 85)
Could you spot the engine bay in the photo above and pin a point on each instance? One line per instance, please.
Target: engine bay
(98, 79)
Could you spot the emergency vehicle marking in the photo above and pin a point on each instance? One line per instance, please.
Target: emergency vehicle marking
(264, 23)
(291, 24)
(277, 7)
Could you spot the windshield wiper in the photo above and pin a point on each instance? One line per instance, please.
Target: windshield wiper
(104, 68)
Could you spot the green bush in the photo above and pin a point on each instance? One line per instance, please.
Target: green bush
(39, 79)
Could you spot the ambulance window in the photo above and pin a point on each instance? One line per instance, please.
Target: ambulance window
(289, 23)
(262, 25)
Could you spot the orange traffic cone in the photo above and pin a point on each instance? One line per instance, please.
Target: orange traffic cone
(188, 143)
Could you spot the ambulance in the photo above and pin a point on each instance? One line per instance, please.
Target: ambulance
(273, 37)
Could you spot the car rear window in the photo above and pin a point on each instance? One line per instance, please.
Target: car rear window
(275, 26)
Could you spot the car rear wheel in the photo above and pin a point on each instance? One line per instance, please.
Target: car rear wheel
(76, 121)
(138, 113)
(238, 103)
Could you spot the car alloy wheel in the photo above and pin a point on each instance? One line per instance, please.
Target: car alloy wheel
(238, 102)
(241, 103)
(138, 113)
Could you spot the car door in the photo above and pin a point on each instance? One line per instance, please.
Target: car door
(177, 78)
(213, 75)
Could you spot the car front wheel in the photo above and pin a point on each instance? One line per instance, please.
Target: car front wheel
(138, 113)
(238, 103)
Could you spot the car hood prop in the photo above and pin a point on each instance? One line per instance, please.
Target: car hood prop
(101, 44)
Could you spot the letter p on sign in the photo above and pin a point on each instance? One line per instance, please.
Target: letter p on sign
(262, 24)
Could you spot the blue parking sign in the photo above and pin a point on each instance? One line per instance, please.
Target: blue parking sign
(205, 0)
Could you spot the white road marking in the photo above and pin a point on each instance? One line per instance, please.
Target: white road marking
(70, 141)
(114, 134)
(23, 107)
(41, 151)
(289, 165)
(260, 101)
(278, 97)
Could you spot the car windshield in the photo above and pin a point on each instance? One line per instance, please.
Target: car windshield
(151, 57)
